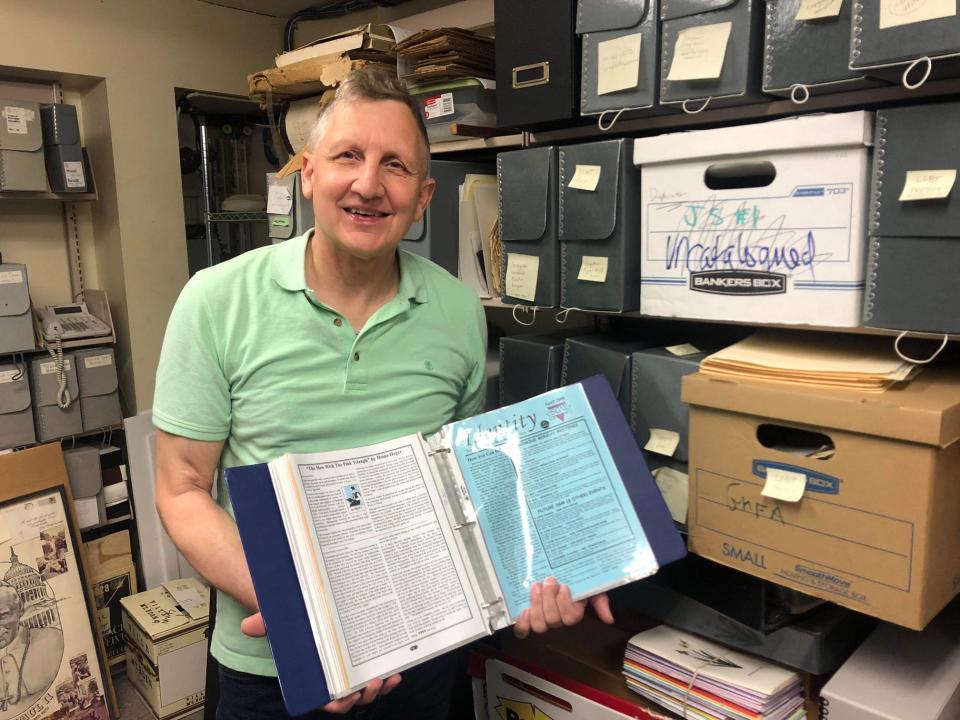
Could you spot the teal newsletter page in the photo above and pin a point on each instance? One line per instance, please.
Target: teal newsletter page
(549, 498)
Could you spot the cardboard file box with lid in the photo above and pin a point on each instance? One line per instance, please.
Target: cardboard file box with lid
(756, 223)
(50, 420)
(99, 393)
(529, 365)
(435, 236)
(808, 55)
(61, 148)
(618, 36)
(915, 244)
(16, 415)
(692, 33)
(536, 50)
(166, 634)
(527, 206)
(877, 528)
(905, 40)
(21, 147)
(599, 225)
(16, 320)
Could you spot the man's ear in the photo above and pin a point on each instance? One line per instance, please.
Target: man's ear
(306, 175)
(426, 192)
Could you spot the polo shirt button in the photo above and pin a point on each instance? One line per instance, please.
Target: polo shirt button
(338, 322)
(356, 357)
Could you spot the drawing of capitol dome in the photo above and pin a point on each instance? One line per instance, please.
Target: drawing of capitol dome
(39, 609)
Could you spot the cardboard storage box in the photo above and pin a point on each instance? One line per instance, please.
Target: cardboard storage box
(16, 415)
(50, 420)
(619, 64)
(21, 147)
(114, 577)
(529, 365)
(99, 388)
(166, 633)
(877, 527)
(16, 319)
(756, 223)
(470, 101)
(62, 152)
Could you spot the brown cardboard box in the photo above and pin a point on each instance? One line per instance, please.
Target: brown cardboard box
(114, 577)
(878, 526)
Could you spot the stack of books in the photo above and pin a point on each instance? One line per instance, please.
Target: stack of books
(699, 679)
(446, 54)
(820, 360)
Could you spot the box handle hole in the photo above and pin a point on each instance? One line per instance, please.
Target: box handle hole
(736, 175)
(795, 441)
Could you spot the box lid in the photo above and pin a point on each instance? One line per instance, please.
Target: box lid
(807, 132)
(14, 389)
(591, 215)
(524, 178)
(175, 606)
(673, 9)
(925, 410)
(601, 15)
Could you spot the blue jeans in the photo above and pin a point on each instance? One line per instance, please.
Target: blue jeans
(424, 693)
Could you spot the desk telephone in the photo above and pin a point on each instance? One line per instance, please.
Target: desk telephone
(67, 322)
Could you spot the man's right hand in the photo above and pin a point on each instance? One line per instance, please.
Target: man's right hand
(254, 626)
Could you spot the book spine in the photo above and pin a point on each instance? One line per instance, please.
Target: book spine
(563, 245)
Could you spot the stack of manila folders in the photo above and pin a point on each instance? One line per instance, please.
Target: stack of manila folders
(701, 680)
(815, 359)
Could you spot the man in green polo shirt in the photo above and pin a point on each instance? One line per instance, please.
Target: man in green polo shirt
(333, 339)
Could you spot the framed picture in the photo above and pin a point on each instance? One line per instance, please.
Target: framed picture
(51, 658)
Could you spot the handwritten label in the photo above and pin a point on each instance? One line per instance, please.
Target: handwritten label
(279, 200)
(17, 119)
(816, 9)
(662, 442)
(97, 361)
(927, 184)
(585, 177)
(11, 277)
(48, 368)
(7, 376)
(675, 488)
(784, 485)
(894, 13)
(699, 52)
(618, 64)
(682, 350)
(593, 269)
(521, 278)
(73, 174)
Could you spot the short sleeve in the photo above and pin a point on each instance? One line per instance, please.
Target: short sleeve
(474, 395)
(192, 395)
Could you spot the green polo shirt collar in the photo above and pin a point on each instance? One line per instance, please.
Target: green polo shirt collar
(288, 270)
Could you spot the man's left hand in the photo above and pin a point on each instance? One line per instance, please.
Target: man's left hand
(552, 606)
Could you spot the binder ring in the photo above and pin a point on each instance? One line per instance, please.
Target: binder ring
(923, 78)
(795, 89)
(527, 308)
(612, 122)
(703, 107)
(915, 361)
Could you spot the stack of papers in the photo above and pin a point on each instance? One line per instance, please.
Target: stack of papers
(821, 360)
(446, 54)
(699, 679)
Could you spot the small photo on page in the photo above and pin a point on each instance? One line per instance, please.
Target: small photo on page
(352, 495)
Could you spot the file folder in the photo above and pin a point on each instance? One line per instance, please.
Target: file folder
(16, 319)
(21, 147)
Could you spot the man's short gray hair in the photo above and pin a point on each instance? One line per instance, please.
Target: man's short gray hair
(366, 84)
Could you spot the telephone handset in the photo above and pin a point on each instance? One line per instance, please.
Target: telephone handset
(67, 322)
(72, 321)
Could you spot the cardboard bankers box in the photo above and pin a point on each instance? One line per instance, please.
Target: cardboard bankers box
(877, 527)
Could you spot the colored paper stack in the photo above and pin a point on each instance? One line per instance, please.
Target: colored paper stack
(699, 679)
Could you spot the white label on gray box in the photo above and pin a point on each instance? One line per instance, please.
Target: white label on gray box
(17, 118)
(73, 174)
(48, 368)
(7, 376)
(96, 361)
(11, 277)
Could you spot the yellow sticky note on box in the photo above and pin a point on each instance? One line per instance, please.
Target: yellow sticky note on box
(894, 13)
(817, 9)
(618, 63)
(521, 280)
(699, 52)
(593, 268)
(785, 485)
(663, 442)
(585, 177)
(927, 184)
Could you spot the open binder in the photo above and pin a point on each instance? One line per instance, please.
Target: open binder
(596, 515)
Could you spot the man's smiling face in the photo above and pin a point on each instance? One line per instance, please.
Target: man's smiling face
(365, 178)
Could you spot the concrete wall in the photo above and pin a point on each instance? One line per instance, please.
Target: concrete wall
(121, 60)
